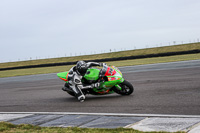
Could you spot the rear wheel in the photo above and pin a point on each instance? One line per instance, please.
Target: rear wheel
(71, 93)
(69, 90)
(127, 88)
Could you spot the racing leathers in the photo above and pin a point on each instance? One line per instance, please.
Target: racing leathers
(75, 83)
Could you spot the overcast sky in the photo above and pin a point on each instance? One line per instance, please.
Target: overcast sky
(52, 28)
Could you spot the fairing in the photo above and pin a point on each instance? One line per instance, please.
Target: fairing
(113, 80)
(63, 76)
(92, 74)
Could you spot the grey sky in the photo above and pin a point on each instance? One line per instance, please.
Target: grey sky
(52, 28)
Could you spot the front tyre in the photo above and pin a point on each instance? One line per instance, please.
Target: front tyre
(127, 88)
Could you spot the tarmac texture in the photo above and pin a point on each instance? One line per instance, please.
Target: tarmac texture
(169, 89)
(166, 88)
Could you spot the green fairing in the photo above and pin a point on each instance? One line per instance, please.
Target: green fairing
(63, 76)
(109, 84)
(92, 74)
(112, 82)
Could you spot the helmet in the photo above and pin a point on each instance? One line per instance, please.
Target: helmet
(81, 67)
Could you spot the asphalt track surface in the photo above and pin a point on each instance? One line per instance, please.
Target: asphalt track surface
(166, 88)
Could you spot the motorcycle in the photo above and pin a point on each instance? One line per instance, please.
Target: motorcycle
(110, 78)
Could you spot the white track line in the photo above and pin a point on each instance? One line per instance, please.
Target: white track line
(106, 114)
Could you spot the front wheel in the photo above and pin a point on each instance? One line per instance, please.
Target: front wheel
(127, 88)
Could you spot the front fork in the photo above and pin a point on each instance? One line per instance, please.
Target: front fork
(118, 86)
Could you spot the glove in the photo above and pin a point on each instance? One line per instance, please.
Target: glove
(96, 85)
(100, 64)
(103, 64)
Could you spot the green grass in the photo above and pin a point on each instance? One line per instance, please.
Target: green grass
(175, 48)
(43, 70)
(25, 128)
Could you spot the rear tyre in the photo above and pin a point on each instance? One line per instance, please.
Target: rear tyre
(127, 88)
(69, 90)
(71, 93)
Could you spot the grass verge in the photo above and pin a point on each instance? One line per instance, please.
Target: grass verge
(44, 70)
(174, 48)
(25, 128)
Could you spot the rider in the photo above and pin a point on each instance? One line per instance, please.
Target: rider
(76, 73)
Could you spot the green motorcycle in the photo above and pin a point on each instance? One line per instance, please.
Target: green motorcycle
(110, 78)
